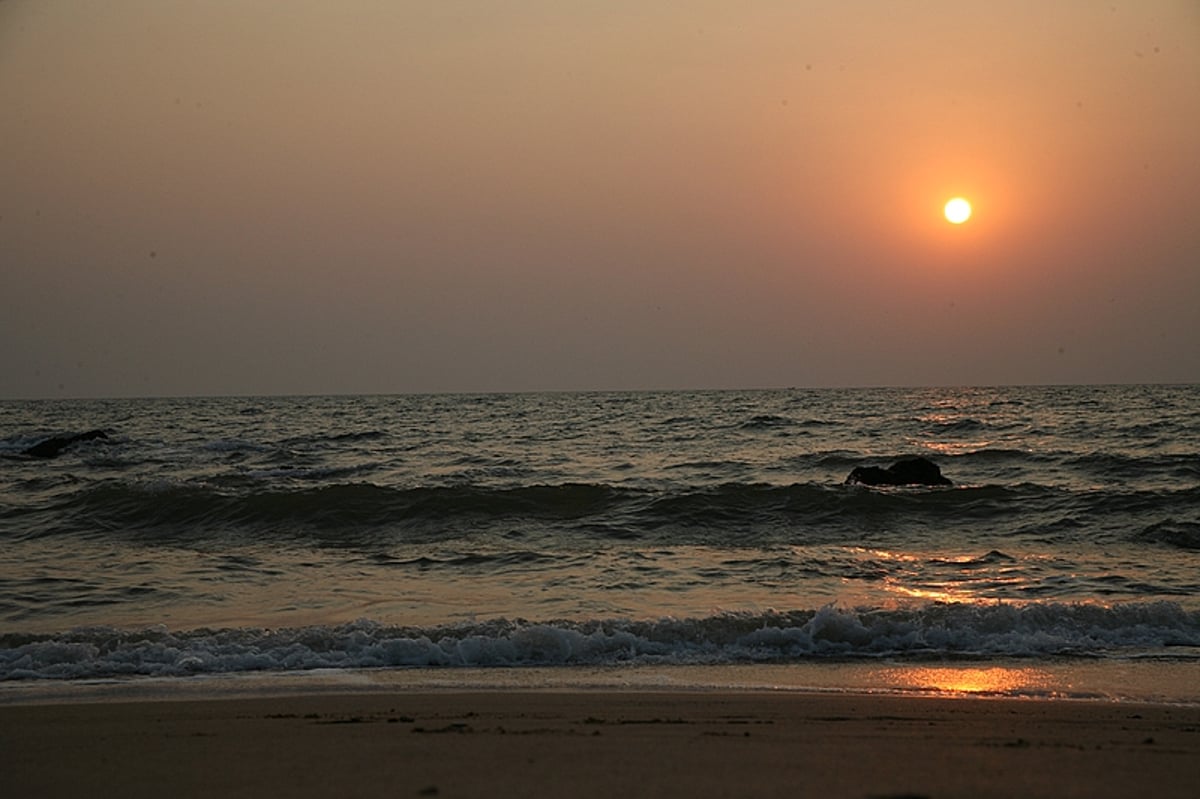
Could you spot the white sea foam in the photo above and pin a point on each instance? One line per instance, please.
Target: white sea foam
(932, 632)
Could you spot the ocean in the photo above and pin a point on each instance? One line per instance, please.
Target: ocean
(690, 538)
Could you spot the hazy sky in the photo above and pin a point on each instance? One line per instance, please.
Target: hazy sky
(337, 197)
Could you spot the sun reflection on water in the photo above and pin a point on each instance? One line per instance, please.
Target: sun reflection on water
(953, 681)
(946, 579)
(950, 448)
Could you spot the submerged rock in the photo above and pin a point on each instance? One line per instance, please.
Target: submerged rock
(53, 447)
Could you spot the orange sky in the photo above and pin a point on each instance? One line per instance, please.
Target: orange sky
(309, 197)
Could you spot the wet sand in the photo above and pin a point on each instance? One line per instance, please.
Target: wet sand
(593, 743)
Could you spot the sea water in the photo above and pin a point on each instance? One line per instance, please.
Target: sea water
(696, 538)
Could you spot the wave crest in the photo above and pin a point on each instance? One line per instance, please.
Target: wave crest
(931, 631)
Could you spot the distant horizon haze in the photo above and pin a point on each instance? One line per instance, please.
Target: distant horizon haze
(567, 391)
(262, 198)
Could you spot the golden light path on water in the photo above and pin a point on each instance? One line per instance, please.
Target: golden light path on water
(949, 580)
(948, 680)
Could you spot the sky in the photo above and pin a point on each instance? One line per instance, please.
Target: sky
(305, 197)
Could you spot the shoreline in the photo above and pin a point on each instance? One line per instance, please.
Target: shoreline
(1168, 682)
(600, 742)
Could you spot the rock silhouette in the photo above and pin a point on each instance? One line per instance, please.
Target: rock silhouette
(909, 471)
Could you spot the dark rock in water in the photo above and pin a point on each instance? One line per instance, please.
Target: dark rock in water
(53, 447)
(907, 472)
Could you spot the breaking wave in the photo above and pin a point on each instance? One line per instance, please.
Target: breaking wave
(934, 631)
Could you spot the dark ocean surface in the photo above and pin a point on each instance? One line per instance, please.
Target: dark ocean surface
(600, 530)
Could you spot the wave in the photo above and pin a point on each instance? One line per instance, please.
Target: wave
(989, 453)
(1116, 467)
(298, 502)
(949, 426)
(119, 506)
(194, 508)
(766, 422)
(934, 631)
(1182, 534)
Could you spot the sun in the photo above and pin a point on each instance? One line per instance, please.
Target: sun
(957, 211)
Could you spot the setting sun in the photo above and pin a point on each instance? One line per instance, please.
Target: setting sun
(957, 211)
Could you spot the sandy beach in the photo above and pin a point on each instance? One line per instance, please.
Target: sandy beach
(602, 744)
